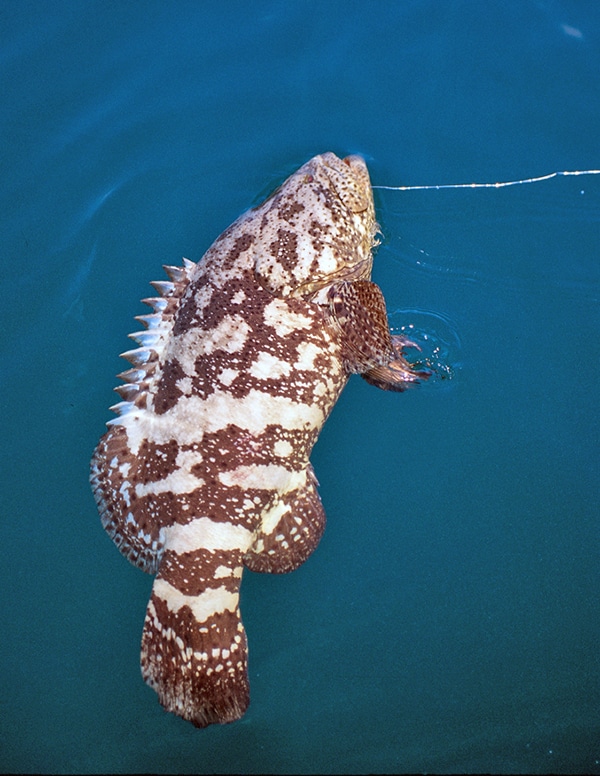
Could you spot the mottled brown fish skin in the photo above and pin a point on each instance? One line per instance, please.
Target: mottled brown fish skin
(206, 470)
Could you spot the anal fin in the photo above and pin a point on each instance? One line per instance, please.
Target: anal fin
(291, 529)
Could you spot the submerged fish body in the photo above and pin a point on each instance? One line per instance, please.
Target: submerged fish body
(206, 469)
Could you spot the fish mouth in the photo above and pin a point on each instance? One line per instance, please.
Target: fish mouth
(350, 179)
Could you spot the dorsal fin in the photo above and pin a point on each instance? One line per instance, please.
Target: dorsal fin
(142, 544)
(152, 340)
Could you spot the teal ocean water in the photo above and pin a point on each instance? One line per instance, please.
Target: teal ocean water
(449, 620)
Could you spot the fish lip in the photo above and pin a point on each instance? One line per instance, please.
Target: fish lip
(344, 165)
(355, 159)
(349, 161)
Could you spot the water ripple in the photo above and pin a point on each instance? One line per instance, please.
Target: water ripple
(511, 243)
(437, 340)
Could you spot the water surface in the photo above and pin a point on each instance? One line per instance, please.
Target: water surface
(448, 621)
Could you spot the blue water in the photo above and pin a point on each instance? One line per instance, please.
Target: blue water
(449, 620)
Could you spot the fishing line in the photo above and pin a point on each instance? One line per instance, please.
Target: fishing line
(435, 352)
(498, 185)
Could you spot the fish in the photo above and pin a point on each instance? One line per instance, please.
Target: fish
(205, 471)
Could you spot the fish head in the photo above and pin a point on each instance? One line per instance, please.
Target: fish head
(317, 228)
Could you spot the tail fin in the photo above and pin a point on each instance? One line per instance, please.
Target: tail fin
(194, 648)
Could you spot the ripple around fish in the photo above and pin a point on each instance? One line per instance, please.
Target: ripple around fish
(438, 344)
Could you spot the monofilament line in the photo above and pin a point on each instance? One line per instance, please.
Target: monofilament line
(498, 185)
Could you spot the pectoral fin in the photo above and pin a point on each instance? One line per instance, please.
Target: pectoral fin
(368, 348)
(399, 374)
(358, 308)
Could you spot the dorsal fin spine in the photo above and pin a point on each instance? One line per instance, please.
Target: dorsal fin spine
(139, 379)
